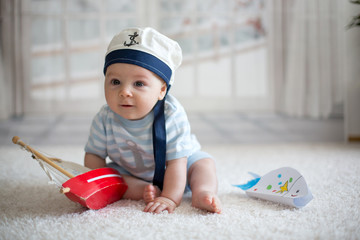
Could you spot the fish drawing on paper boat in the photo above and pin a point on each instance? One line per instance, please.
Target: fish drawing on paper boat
(284, 185)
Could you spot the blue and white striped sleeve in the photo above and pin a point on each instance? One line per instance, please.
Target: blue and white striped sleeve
(97, 139)
(180, 142)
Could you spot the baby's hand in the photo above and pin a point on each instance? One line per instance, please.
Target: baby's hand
(160, 204)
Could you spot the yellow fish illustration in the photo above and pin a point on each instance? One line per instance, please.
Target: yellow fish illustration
(283, 188)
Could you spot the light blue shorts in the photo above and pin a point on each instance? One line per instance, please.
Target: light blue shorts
(190, 161)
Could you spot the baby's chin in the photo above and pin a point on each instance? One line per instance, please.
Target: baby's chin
(132, 117)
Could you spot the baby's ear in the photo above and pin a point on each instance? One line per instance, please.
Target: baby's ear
(162, 91)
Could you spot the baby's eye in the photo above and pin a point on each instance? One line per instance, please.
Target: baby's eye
(139, 84)
(115, 82)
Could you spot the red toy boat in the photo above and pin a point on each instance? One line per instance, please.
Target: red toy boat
(93, 189)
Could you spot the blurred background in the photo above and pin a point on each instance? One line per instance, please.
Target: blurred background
(253, 70)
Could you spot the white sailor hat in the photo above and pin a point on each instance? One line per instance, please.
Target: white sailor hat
(146, 48)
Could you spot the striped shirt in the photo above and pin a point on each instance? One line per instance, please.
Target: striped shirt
(129, 142)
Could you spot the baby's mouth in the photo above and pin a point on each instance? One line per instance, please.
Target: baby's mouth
(126, 105)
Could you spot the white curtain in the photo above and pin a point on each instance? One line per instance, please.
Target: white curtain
(10, 66)
(305, 39)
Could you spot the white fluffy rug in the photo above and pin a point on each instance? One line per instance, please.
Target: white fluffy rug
(30, 208)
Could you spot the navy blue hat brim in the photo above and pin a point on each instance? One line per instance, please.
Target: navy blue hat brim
(141, 59)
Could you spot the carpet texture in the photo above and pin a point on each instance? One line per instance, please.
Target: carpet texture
(30, 208)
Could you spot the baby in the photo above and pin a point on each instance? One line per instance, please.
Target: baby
(145, 131)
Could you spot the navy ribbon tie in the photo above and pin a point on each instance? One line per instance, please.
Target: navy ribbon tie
(159, 143)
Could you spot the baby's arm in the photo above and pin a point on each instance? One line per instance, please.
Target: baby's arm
(93, 161)
(173, 189)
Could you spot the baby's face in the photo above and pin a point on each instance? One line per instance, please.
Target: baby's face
(132, 91)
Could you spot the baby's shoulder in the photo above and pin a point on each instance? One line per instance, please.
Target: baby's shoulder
(104, 113)
(172, 105)
(174, 111)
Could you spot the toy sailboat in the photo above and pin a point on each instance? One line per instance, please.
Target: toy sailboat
(284, 185)
(93, 189)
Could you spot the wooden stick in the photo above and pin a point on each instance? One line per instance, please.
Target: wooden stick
(16, 140)
(64, 190)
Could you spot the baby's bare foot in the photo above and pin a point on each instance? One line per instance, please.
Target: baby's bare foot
(150, 193)
(207, 201)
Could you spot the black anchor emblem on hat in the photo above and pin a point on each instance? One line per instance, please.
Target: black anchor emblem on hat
(132, 40)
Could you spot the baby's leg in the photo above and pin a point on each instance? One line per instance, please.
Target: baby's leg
(203, 183)
(136, 188)
(139, 189)
(150, 193)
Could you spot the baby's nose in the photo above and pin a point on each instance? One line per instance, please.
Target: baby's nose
(125, 92)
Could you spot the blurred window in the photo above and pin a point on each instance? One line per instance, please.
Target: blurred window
(66, 40)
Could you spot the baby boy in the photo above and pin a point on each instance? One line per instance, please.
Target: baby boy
(144, 131)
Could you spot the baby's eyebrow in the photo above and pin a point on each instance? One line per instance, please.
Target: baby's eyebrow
(140, 76)
(116, 76)
(111, 75)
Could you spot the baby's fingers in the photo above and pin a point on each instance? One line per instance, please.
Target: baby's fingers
(149, 206)
(161, 208)
(160, 204)
(154, 207)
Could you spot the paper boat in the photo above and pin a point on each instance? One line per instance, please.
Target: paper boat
(284, 185)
